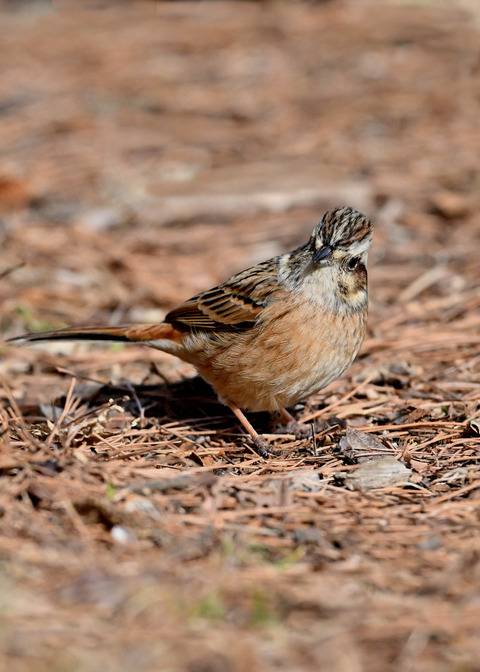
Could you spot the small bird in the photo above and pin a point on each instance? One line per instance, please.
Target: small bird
(274, 334)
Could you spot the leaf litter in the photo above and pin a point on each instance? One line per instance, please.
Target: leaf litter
(138, 528)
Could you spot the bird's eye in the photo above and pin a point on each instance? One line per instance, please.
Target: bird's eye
(353, 263)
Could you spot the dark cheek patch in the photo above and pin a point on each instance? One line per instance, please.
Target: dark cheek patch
(353, 283)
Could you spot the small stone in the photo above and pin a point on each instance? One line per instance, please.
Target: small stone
(121, 535)
(305, 480)
(99, 219)
(430, 544)
(381, 472)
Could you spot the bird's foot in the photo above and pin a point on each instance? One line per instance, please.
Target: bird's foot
(299, 429)
(264, 449)
(261, 446)
(303, 430)
(292, 426)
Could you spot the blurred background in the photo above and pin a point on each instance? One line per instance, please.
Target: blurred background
(151, 149)
(148, 150)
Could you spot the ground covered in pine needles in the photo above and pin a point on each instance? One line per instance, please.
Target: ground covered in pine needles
(148, 152)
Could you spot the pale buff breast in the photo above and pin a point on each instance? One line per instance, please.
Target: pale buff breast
(283, 360)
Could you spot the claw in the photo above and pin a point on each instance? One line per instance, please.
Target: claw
(262, 447)
(298, 429)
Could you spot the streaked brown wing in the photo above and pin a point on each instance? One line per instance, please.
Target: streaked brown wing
(237, 303)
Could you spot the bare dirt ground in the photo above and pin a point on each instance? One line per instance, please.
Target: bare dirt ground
(148, 151)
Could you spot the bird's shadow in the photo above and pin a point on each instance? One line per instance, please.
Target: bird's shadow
(191, 400)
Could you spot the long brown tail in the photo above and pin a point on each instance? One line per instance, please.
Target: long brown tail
(139, 333)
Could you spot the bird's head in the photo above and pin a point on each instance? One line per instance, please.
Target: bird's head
(330, 269)
(342, 238)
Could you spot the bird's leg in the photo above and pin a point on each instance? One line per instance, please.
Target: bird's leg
(262, 446)
(292, 425)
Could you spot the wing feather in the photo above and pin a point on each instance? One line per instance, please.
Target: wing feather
(236, 304)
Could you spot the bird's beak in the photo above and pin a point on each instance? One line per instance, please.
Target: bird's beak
(323, 256)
